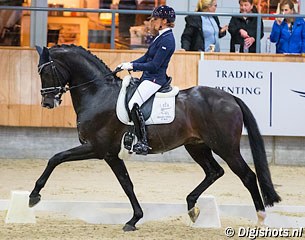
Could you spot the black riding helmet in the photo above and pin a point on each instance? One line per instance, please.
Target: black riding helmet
(164, 12)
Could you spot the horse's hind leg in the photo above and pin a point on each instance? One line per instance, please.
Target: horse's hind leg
(120, 171)
(203, 156)
(238, 165)
(79, 153)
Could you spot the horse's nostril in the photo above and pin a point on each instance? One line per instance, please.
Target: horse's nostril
(46, 105)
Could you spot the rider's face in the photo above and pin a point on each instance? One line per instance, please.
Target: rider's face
(155, 23)
(158, 23)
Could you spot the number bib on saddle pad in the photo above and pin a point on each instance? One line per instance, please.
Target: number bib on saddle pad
(163, 108)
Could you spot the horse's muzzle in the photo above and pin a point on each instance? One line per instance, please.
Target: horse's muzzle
(50, 103)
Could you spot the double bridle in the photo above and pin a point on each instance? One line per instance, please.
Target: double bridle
(59, 90)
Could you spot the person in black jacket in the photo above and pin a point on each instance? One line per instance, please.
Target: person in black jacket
(202, 31)
(243, 29)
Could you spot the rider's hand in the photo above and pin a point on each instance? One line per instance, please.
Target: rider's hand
(126, 66)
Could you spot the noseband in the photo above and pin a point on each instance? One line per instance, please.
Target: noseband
(57, 91)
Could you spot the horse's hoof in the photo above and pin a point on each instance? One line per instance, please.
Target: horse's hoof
(34, 200)
(261, 215)
(194, 214)
(129, 228)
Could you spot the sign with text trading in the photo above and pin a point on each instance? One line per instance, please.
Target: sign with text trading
(274, 91)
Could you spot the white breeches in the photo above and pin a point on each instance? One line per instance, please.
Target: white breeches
(145, 90)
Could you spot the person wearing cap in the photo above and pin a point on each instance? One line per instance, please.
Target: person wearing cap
(154, 65)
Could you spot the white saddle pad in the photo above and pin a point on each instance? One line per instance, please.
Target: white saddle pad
(163, 109)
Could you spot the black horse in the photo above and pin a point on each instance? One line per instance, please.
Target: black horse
(206, 120)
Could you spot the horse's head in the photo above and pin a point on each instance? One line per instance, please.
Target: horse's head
(52, 83)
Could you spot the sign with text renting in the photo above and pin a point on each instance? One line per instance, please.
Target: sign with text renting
(274, 91)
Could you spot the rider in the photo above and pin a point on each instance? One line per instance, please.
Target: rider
(154, 64)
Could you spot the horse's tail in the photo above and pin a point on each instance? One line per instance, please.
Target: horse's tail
(259, 156)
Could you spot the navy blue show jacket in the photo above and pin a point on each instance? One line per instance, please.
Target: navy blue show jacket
(155, 61)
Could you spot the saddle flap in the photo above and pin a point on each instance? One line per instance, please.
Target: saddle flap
(158, 109)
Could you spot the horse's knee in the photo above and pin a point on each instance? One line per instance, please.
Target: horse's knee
(214, 174)
(56, 160)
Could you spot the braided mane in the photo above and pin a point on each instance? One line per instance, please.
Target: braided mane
(87, 54)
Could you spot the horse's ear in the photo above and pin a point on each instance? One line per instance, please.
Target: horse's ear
(43, 54)
(39, 50)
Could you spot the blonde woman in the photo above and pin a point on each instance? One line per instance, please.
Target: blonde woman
(202, 31)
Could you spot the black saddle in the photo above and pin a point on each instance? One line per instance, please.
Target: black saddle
(147, 106)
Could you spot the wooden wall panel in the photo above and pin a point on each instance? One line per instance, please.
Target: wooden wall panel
(36, 109)
(14, 87)
(69, 117)
(20, 83)
(4, 86)
(191, 70)
(25, 88)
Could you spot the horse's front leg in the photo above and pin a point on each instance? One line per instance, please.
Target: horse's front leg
(118, 167)
(82, 152)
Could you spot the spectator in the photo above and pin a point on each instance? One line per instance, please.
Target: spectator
(202, 31)
(243, 29)
(288, 33)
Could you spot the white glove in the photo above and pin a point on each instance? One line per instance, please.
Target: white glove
(126, 66)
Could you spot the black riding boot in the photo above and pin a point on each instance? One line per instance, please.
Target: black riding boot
(141, 147)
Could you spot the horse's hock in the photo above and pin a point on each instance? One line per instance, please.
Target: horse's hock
(29, 143)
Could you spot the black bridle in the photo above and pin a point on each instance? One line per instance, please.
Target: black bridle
(58, 91)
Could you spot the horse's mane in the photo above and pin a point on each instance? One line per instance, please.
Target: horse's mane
(87, 54)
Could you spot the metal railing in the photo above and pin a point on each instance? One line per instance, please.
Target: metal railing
(122, 11)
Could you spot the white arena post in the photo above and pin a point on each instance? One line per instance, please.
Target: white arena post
(18, 210)
(209, 213)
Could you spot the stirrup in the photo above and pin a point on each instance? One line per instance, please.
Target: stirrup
(128, 140)
(141, 148)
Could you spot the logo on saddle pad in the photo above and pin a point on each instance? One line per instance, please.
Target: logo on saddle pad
(163, 108)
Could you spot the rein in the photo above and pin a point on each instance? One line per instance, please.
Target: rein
(91, 81)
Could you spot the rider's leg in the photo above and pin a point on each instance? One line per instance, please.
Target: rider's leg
(145, 90)
(141, 147)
